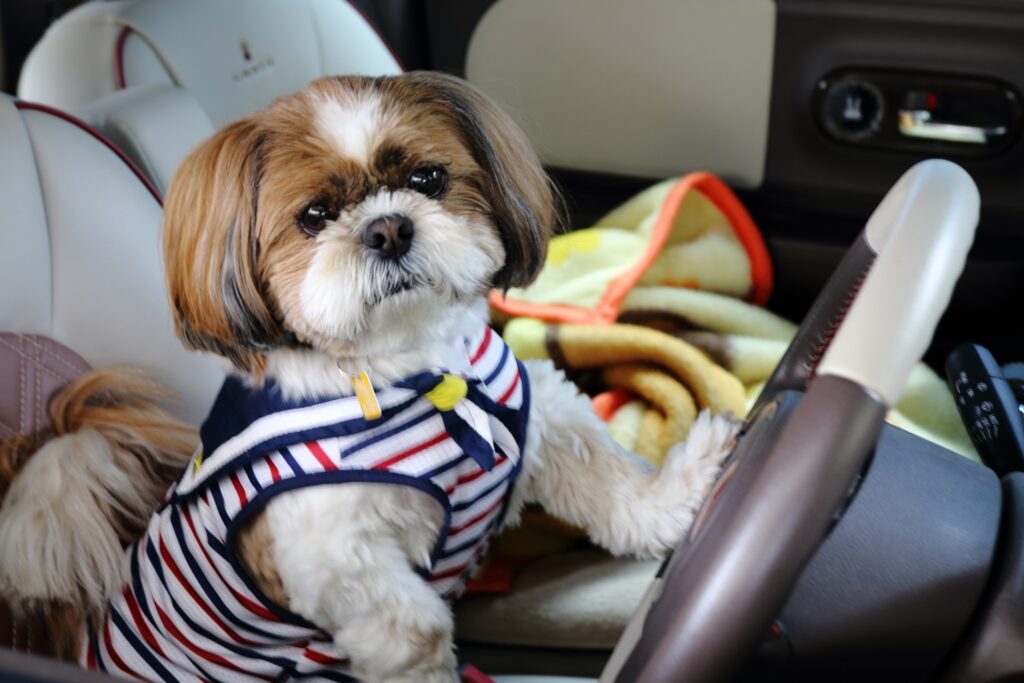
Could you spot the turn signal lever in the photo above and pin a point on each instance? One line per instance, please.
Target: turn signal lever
(991, 409)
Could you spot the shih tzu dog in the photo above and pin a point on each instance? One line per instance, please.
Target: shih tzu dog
(375, 434)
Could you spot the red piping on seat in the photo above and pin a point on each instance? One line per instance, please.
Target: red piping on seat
(75, 121)
(122, 38)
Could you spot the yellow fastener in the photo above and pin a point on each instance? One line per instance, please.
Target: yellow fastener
(447, 394)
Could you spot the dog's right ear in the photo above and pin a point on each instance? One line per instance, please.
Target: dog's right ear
(211, 249)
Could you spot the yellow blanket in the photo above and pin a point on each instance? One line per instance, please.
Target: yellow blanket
(656, 313)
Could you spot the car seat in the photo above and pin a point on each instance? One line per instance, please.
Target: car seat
(159, 76)
(81, 268)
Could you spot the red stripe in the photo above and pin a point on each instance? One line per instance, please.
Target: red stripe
(508, 394)
(205, 654)
(140, 622)
(447, 574)
(465, 525)
(169, 561)
(482, 349)
(274, 474)
(254, 607)
(116, 658)
(321, 658)
(411, 452)
(321, 456)
(242, 498)
(90, 654)
(473, 476)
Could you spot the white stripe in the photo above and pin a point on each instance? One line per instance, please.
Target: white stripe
(124, 649)
(500, 384)
(428, 459)
(471, 489)
(400, 442)
(462, 516)
(454, 561)
(284, 422)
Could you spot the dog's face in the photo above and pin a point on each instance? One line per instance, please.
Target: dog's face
(352, 216)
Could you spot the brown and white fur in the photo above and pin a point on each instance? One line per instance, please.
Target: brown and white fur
(271, 265)
(71, 498)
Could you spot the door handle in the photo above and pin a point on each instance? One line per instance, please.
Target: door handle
(917, 123)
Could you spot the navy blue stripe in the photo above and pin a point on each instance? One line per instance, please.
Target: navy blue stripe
(344, 428)
(444, 468)
(514, 419)
(240, 650)
(94, 642)
(380, 436)
(501, 365)
(218, 547)
(208, 636)
(483, 494)
(218, 499)
(284, 615)
(140, 648)
(290, 460)
(469, 440)
(251, 473)
(204, 583)
(156, 562)
(339, 477)
(139, 591)
(455, 550)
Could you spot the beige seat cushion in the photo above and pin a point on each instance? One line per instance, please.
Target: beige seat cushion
(541, 679)
(579, 600)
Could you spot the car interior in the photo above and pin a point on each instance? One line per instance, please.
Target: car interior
(834, 546)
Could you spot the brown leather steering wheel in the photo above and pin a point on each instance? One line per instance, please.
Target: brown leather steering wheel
(808, 438)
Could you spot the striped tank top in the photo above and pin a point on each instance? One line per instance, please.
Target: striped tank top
(189, 611)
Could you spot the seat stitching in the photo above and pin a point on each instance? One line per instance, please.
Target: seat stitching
(46, 368)
(50, 352)
(39, 393)
(21, 392)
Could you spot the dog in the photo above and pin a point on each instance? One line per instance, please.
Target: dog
(374, 434)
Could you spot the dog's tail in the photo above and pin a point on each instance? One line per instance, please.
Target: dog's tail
(72, 499)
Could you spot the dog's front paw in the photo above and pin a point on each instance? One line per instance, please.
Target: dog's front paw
(694, 463)
(684, 481)
(409, 644)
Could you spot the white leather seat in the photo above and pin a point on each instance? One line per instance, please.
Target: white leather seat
(80, 257)
(158, 76)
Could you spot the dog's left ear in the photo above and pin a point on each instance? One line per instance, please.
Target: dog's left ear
(526, 207)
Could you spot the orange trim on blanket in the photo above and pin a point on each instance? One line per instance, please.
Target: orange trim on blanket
(607, 309)
(607, 403)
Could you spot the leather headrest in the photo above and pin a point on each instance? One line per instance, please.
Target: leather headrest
(233, 56)
(80, 256)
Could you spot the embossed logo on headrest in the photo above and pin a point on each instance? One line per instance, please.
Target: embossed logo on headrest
(251, 67)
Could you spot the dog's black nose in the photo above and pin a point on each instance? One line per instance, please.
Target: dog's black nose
(390, 235)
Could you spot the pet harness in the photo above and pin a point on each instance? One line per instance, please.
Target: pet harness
(190, 612)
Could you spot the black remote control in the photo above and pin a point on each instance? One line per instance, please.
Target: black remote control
(988, 406)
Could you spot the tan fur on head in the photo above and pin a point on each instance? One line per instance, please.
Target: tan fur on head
(246, 277)
(73, 498)
(211, 247)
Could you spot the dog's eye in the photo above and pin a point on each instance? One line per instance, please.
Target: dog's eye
(314, 217)
(431, 181)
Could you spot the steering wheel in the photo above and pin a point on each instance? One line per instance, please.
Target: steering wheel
(807, 440)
